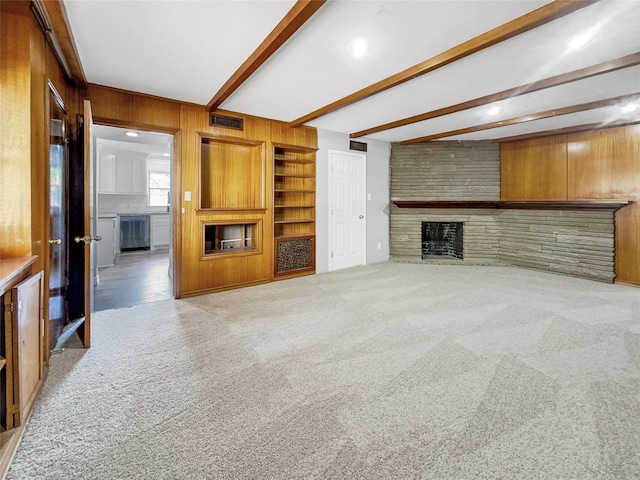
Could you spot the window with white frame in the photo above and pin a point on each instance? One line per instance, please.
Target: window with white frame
(159, 189)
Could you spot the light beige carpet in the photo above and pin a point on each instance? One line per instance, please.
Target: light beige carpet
(380, 371)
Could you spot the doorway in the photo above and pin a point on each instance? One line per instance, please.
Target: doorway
(347, 208)
(58, 217)
(133, 209)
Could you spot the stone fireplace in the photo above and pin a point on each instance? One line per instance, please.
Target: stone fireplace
(442, 240)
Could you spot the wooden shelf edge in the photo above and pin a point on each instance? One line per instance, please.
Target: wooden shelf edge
(10, 268)
(294, 191)
(307, 220)
(513, 205)
(10, 441)
(295, 148)
(293, 175)
(294, 206)
(294, 273)
(293, 236)
(213, 211)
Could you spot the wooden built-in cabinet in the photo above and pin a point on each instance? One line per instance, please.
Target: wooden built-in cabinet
(21, 345)
(294, 209)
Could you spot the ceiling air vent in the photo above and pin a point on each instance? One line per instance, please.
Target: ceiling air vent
(359, 146)
(226, 122)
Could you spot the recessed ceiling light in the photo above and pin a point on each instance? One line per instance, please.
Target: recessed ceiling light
(166, 155)
(631, 107)
(494, 110)
(358, 48)
(132, 134)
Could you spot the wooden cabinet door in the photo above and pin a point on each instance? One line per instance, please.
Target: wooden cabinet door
(27, 341)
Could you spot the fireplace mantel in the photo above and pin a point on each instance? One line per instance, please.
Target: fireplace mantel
(531, 205)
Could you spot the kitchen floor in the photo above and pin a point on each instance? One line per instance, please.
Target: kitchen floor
(136, 278)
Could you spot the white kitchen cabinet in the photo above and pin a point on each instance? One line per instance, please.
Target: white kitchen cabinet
(106, 173)
(160, 231)
(130, 174)
(122, 174)
(106, 247)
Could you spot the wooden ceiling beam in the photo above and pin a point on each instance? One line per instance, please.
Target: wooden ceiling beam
(580, 74)
(568, 130)
(292, 21)
(529, 118)
(53, 19)
(524, 23)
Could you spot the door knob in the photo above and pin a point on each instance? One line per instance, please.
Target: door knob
(361, 217)
(87, 239)
(55, 241)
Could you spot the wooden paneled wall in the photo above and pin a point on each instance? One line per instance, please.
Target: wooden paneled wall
(119, 107)
(606, 164)
(602, 164)
(193, 271)
(15, 134)
(541, 161)
(201, 274)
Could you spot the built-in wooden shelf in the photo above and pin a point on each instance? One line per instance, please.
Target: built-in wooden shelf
(292, 236)
(308, 220)
(10, 268)
(533, 205)
(294, 191)
(294, 206)
(294, 223)
(293, 175)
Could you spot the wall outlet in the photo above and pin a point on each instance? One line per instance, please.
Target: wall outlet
(379, 246)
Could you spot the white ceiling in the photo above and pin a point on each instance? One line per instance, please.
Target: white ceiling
(150, 144)
(186, 50)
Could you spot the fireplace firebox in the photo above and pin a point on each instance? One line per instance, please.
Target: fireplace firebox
(442, 239)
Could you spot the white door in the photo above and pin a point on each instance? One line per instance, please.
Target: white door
(347, 208)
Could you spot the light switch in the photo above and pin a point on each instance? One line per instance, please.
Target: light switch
(187, 196)
(369, 197)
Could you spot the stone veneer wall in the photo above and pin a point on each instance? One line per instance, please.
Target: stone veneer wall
(480, 232)
(578, 243)
(445, 171)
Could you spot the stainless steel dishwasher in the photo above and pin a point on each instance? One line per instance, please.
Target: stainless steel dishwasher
(135, 232)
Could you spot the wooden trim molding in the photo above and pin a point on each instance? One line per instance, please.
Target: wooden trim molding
(522, 24)
(528, 118)
(59, 34)
(292, 21)
(502, 205)
(573, 76)
(567, 130)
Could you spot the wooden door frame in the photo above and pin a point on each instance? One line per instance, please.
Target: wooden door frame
(363, 178)
(53, 96)
(176, 178)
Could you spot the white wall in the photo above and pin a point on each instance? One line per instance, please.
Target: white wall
(378, 154)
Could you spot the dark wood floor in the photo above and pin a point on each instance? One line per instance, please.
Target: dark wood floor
(136, 278)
